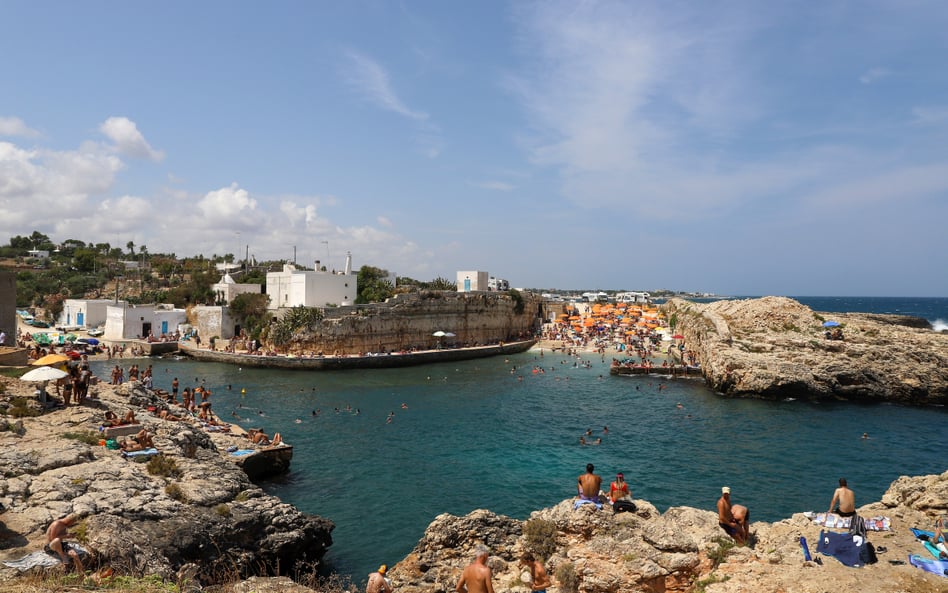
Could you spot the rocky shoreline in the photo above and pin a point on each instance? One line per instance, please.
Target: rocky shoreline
(775, 347)
(680, 550)
(192, 516)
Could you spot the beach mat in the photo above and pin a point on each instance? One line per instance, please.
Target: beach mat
(939, 567)
(242, 452)
(834, 521)
(44, 559)
(142, 453)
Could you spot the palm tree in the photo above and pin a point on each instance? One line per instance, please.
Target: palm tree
(131, 247)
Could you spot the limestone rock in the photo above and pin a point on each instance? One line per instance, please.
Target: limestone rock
(193, 509)
(776, 347)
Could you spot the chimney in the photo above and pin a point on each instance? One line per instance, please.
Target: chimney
(316, 267)
(348, 263)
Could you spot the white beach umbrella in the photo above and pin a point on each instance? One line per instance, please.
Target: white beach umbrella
(439, 334)
(44, 374)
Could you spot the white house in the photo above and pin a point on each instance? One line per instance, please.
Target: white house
(38, 253)
(226, 290)
(128, 322)
(498, 284)
(85, 312)
(293, 287)
(468, 281)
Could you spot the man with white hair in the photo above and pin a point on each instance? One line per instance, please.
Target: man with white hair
(476, 577)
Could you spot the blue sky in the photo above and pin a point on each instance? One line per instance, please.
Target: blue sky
(789, 148)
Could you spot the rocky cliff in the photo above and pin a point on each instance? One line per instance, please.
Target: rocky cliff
(595, 551)
(190, 515)
(777, 347)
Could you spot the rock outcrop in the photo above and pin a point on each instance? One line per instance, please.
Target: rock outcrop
(682, 549)
(187, 514)
(776, 347)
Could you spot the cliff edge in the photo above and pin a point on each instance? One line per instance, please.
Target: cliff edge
(776, 347)
(681, 550)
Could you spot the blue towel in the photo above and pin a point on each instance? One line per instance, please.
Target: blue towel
(243, 452)
(147, 452)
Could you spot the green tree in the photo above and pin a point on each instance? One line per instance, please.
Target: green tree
(84, 259)
(251, 310)
(374, 286)
(131, 248)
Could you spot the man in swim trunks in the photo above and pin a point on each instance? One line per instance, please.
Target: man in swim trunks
(726, 518)
(846, 499)
(539, 580)
(476, 577)
(588, 484)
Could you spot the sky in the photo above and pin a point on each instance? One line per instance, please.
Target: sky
(734, 147)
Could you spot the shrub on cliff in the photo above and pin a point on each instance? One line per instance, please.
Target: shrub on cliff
(540, 536)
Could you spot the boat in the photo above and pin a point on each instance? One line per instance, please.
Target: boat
(366, 361)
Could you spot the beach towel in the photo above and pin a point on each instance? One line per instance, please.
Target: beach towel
(242, 452)
(939, 567)
(834, 521)
(845, 547)
(580, 502)
(43, 559)
(142, 453)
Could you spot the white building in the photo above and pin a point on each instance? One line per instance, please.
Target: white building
(468, 281)
(38, 253)
(294, 287)
(130, 322)
(226, 289)
(498, 284)
(85, 312)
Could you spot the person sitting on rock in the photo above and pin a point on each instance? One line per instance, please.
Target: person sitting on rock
(258, 437)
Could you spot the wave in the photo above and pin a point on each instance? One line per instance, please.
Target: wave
(940, 325)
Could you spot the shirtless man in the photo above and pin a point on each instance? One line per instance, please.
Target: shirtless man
(539, 580)
(846, 499)
(476, 577)
(377, 582)
(57, 532)
(588, 484)
(727, 521)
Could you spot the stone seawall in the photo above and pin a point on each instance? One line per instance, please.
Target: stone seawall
(409, 321)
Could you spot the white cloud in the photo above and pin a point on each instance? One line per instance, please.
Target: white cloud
(495, 185)
(383, 221)
(929, 116)
(874, 74)
(14, 126)
(229, 206)
(372, 81)
(128, 140)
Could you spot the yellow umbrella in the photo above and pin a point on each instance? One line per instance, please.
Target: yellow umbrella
(49, 359)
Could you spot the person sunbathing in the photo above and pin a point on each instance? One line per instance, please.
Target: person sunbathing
(166, 415)
(111, 419)
(139, 442)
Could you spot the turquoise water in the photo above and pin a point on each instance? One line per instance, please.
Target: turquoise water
(473, 436)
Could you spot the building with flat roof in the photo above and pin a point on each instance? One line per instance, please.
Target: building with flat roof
(294, 287)
(469, 281)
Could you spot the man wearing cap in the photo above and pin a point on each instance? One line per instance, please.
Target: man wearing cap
(733, 526)
(619, 490)
(377, 582)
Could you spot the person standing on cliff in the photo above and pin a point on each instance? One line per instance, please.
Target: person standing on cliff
(476, 577)
(377, 582)
(846, 499)
(539, 579)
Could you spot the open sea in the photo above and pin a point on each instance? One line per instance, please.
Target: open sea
(471, 435)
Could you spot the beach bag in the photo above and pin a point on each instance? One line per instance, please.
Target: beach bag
(623, 506)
